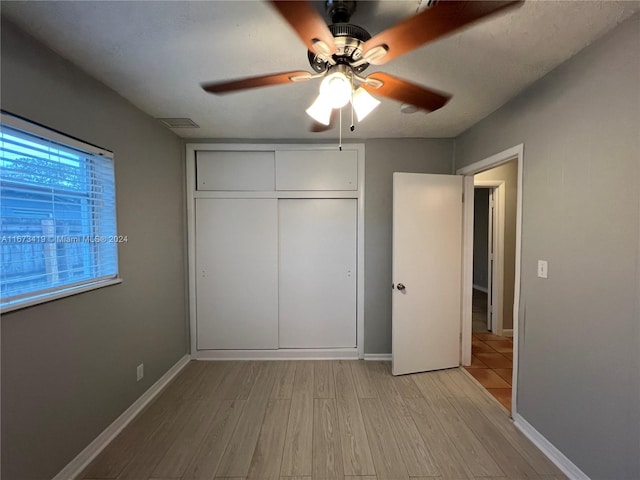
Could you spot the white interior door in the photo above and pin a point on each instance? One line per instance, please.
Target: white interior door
(236, 273)
(317, 273)
(427, 267)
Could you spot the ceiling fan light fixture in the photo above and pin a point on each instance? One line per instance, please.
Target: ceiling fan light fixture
(320, 110)
(363, 103)
(336, 89)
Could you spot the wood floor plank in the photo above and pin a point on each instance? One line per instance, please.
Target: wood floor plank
(445, 380)
(283, 386)
(428, 387)
(417, 458)
(511, 462)
(247, 376)
(237, 457)
(151, 452)
(386, 454)
(501, 420)
(267, 457)
(209, 380)
(356, 454)
(364, 386)
(206, 403)
(204, 464)
(476, 456)
(327, 453)
(450, 462)
(115, 457)
(176, 459)
(402, 383)
(298, 446)
(323, 378)
(187, 381)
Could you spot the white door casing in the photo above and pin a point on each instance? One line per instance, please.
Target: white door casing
(513, 153)
(427, 261)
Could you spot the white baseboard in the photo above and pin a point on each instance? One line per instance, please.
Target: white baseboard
(75, 466)
(279, 354)
(378, 357)
(555, 455)
(482, 289)
(507, 332)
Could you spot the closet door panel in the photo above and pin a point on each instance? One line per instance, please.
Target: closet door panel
(237, 273)
(316, 170)
(317, 273)
(235, 171)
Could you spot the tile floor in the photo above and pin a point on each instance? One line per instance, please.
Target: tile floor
(492, 364)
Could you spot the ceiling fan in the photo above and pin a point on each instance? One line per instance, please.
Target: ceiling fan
(339, 53)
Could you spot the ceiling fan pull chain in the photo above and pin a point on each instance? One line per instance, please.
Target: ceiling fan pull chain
(340, 128)
(352, 127)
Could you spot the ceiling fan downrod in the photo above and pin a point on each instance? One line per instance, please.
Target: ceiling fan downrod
(340, 11)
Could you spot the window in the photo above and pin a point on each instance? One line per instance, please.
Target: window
(58, 216)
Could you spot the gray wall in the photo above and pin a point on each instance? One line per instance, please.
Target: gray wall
(481, 237)
(69, 366)
(508, 173)
(383, 157)
(579, 364)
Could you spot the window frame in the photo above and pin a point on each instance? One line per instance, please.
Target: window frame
(55, 293)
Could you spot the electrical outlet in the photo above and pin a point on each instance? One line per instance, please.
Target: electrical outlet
(140, 372)
(542, 269)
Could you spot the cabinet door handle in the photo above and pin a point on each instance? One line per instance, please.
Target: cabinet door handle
(400, 287)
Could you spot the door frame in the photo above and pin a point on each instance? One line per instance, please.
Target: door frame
(191, 193)
(513, 153)
(496, 272)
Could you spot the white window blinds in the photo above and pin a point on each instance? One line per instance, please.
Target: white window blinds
(58, 229)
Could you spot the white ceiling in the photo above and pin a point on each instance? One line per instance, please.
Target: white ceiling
(156, 54)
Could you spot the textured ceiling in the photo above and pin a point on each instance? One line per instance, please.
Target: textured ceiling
(156, 54)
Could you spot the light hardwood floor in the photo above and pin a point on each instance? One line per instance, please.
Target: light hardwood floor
(308, 420)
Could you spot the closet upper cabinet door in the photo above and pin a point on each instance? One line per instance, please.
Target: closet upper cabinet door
(236, 273)
(316, 170)
(235, 171)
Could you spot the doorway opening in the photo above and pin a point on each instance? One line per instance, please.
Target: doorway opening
(492, 265)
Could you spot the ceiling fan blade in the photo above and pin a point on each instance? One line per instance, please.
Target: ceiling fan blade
(308, 24)
(406, 92)
(255, 82)
(434, 22)
(317, 127)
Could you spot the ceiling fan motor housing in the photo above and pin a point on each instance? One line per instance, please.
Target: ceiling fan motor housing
(349, 39)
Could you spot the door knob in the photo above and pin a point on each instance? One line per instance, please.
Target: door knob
(400, 287)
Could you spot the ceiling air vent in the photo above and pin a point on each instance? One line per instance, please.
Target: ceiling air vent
(178, 122)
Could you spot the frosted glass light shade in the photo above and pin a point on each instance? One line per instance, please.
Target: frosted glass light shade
(336, 88)
(363, 103)
(320, 110)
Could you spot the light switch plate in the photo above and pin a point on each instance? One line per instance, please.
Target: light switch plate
(542, 269)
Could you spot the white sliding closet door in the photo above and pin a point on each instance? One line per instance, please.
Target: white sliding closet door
(317, 281)
(237, 273)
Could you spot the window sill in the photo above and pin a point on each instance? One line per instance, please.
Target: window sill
(66, 292)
